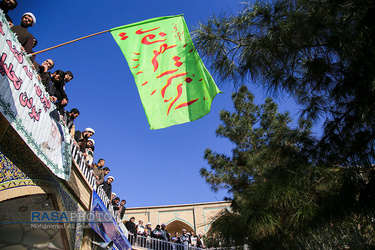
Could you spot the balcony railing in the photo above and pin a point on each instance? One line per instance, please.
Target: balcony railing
(87, 172)
(144, 242)
(141, 241)
(138, 241)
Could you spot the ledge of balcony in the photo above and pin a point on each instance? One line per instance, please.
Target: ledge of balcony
(79, 186)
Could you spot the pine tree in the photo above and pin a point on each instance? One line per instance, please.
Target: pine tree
(288, 186)
(282, 197)
(322, 53)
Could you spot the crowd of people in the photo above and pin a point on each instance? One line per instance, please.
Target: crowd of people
(160, 233)
(54, 84)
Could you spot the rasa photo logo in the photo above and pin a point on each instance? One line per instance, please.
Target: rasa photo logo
(71, 217)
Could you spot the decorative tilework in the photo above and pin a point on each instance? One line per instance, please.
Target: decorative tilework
(69, 204)
(11, 176)
(20, 155)
(32, 173)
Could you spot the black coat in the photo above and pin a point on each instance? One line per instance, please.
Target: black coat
(123, 209)
(107, 189)
(24, 37)
(57, 89)
(44, 75)
(131, 227)
(5, 11)
(82, 143)
(165, 234)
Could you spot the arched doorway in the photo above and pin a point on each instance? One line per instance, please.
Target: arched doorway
(177, 226)
(29, 235)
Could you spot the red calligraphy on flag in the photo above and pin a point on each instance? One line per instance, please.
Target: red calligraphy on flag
(162, 49)
(169, 82)
(145, 41)
(140, 32)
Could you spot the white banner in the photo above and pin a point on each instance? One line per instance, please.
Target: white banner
(26, 105)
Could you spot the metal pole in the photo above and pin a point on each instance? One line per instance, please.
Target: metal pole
(195, 227)
(148, 215)
(75, 40)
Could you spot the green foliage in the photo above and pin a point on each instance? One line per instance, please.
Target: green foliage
(347, 235)
(289, 187)
(280, 193)
(322, 53)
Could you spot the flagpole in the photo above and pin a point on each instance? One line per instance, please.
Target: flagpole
(75, 40)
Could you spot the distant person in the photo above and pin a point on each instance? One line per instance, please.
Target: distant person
(99, 171)
(200, 242)
(102, 174)
(6, 6)
(97, 168)
(68, 77)
(113, 195)
(122, 209)
(157, 234)
(25, 38)
(140, 232)
(55, 89)
(165, 233)
(69, 118)
(82, 137)
(115, 202)
(140, 228)
(148, 230)
(176, 238)
(185, 239)
(107, 186)
(43, 70)
(115, 206)
(32, 58)
(193, 239)
(165, 236)
(130, 226)
(60, 106)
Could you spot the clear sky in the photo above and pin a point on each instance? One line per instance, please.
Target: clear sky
(151, 167)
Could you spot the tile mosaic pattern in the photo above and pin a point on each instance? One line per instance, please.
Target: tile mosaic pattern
(32, 173)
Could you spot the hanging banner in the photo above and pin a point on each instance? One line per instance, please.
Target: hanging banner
(108, 231)
(26, 106)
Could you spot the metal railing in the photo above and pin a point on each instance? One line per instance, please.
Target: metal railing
(141, 241)
(87, 172)
(144, 242)
(245, 247)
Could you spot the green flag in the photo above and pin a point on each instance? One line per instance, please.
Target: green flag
(173, 83)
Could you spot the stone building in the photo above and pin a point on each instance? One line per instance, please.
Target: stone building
(197, 217)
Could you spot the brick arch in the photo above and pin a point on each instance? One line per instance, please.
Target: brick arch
(19, 210)
(177, 226)
(25, 191)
